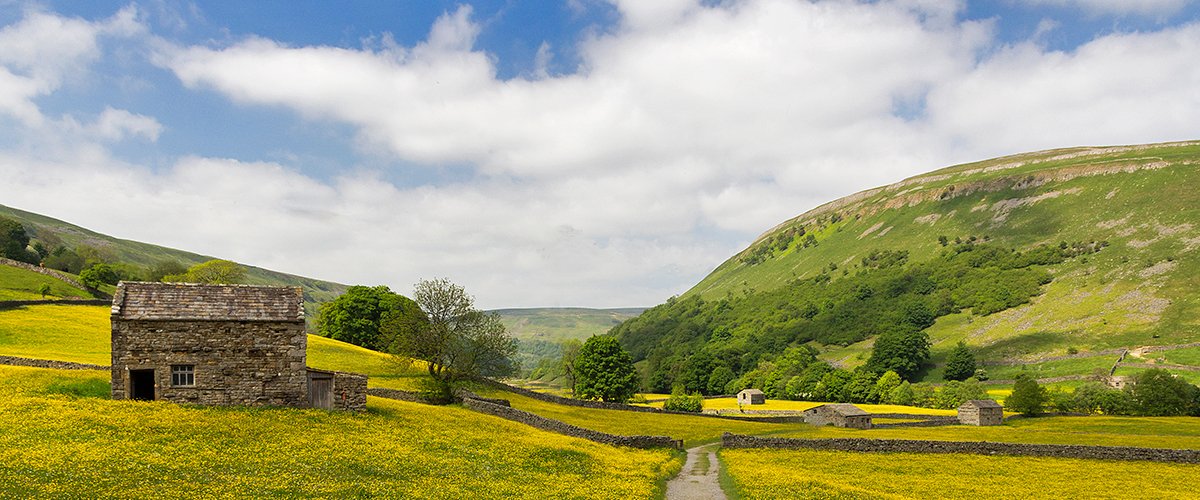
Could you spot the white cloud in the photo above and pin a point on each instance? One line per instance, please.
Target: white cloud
(1139, 7)
(116, 124)
(601, 187)
(1119, 89)
(40, 51)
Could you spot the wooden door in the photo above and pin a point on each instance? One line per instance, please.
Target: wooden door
(320, 392)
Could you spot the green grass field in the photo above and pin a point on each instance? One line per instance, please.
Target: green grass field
(64, 446)
(845, 475)
(22, 284)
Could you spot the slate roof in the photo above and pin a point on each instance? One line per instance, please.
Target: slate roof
(188, 301)
(844, 409)
(751, 391)
(982, 403)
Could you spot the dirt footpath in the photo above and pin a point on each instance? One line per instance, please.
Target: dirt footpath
(698, 478)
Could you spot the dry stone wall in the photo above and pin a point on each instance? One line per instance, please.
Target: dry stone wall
(547, 424)
(10, 304)
(349, 391)
(49, 363)
(729, 440)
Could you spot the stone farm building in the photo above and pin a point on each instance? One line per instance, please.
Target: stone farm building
(220, 345)
(838, 415)
(751, 397)
(981, 412)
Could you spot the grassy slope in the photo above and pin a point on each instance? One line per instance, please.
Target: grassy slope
(559, 324)
(1142, 290)
(22, 284)
(145, 254)
(53, 445)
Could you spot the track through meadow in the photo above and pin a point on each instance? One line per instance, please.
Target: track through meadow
(698, 479)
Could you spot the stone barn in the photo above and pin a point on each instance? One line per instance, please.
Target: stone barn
(838, 415)
(981, 412)
(751, 397)
(220, 345)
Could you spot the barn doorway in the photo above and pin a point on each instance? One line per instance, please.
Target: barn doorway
(320, 389)
(141, 385)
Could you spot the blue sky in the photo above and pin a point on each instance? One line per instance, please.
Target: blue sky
(556, 153)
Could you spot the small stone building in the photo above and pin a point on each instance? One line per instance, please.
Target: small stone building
(838, 415)
(220, 345)
(751, 397)
(981, 412)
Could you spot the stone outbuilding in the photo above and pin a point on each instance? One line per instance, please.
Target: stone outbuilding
(751, 397)
(220, 345)
(838, 415)
(981, 412)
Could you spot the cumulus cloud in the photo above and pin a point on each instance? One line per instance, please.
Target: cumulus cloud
(1139, 7)
(604, 186)
(40, 51)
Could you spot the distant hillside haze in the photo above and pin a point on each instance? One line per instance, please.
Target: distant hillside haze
(1124, 220)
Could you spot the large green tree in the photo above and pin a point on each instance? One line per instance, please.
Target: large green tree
(961, 365)
(14, 240)
(604, 371)
(570, 351)
(99, 274)
(1158, 393)
(902, 349)
(212, 272)
(458, 341)
(1028, 397)
(358, 316)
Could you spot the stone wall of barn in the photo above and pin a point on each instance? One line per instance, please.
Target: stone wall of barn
(236, 362)
(349, 391)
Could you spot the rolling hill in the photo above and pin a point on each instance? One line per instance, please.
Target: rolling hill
(1089, 251)
(556, 324)
(541, 333)
(140, 254)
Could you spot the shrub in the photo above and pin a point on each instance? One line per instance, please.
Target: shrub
(683, 402)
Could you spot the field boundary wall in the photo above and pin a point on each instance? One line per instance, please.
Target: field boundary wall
(11, 304)
(50, 363)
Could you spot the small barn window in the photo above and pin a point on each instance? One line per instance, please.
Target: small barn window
(183, 375)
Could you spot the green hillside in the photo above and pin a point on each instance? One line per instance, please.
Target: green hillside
(541, 332)
(1126, 219)
(54, 232)
(556, 324)
(23, 284)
